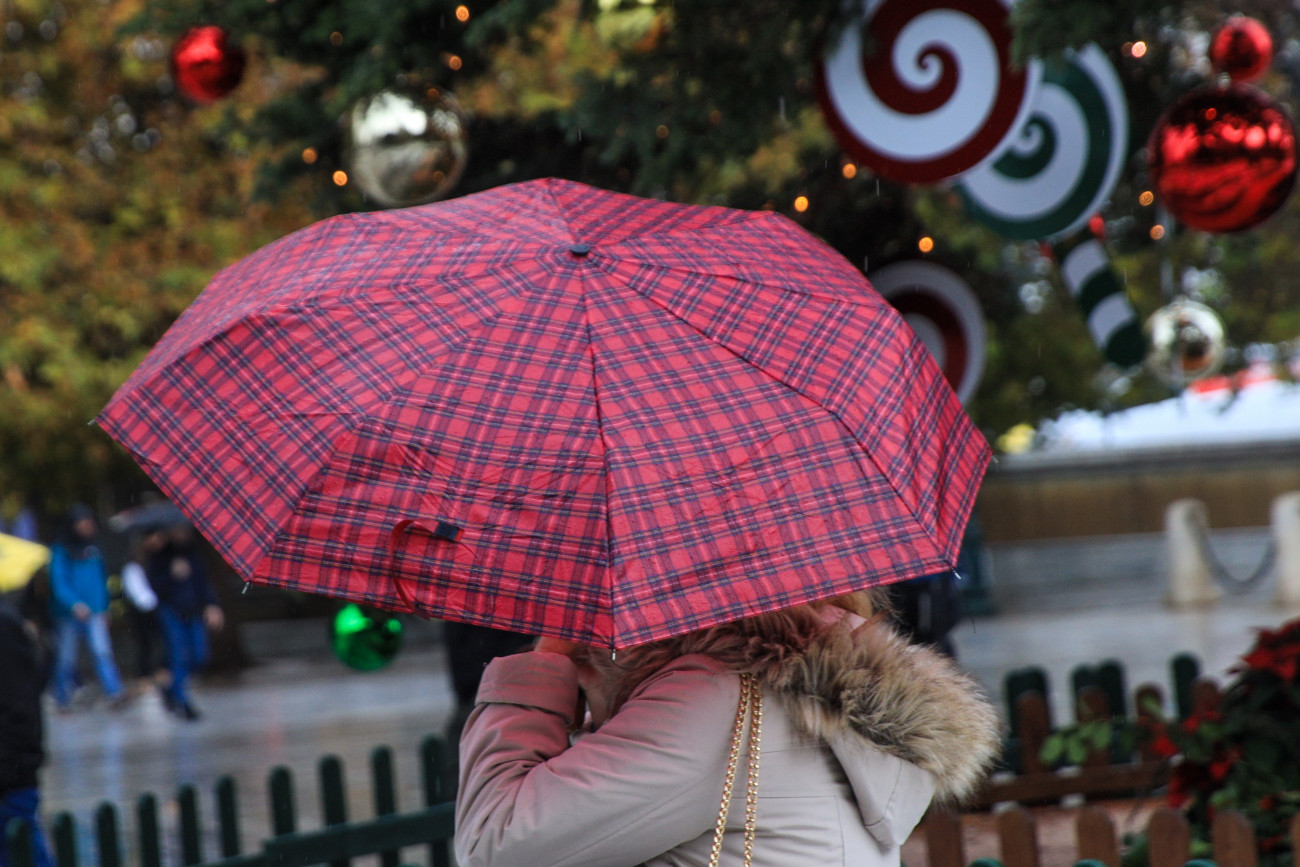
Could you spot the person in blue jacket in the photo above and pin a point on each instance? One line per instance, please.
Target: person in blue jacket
(187, 609)
(79, 603)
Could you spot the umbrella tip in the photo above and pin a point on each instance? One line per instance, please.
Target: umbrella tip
(580, 249)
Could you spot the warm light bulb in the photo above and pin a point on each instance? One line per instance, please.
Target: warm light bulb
(849, 170)
(340, 178)
(462, 14)
(1157, 232)
(309, 155)
(1146, 198)
(801, 204)
(1139, 49)
(926, 244)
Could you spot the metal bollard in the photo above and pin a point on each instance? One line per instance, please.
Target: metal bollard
(1190, 581)
(1285, 517)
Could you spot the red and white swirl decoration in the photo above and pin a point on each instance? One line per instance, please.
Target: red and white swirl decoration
(938, 94)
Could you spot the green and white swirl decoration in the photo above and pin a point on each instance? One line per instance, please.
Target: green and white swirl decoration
(1065, 160)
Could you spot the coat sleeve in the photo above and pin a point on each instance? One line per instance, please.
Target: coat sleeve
(65, 595)
(647, 780)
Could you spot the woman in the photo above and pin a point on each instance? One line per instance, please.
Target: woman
(858, 731)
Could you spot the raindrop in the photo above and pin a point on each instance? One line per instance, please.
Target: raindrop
(781, 107)
(106, 154)
(125, 124)
(579, 135)
(140, 142)
(865, 266)
(48, 30)
(877, 186)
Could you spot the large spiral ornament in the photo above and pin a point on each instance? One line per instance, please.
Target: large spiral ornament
(1064, 163)
(936, 95)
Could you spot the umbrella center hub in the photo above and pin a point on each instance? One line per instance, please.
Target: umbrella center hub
(580, 249)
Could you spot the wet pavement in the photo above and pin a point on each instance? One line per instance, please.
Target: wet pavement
(293, 708)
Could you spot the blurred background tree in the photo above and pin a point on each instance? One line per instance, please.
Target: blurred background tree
(121, 198)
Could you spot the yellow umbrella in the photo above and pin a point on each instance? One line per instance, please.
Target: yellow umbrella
(19, 560)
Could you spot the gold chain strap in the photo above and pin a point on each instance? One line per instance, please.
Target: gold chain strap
(751, 705)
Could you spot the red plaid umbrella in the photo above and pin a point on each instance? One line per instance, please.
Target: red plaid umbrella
(554, 409)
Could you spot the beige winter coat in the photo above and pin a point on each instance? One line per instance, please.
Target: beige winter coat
(859, 731)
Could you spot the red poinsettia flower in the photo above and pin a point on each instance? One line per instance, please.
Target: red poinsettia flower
(1219, 768)
(1284, 661)
(1164, 747)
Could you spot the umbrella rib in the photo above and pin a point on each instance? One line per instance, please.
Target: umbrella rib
(604, 449)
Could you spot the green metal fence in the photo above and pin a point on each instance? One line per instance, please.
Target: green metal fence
(340, 840)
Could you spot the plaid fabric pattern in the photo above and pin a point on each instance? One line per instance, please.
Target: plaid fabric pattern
(555, 409)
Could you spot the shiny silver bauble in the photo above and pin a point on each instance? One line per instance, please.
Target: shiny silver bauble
(407, 149)
(1187, 343)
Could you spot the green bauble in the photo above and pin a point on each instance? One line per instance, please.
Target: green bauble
(365, 639)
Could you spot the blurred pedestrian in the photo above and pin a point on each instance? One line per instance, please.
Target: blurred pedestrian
(187, 609)
(22, 749)
(856, 730)
(142, 612)
(79, 601)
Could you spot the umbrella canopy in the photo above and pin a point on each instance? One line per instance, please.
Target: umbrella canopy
(19, 561)
(555, 409)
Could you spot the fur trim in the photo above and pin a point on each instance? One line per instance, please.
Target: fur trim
(908, 700)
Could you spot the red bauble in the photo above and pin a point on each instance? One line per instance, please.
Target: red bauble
(1242, 48)
(1223, 159)
(206, 65)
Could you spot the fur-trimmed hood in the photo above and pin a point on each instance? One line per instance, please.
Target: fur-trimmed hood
(861, 678)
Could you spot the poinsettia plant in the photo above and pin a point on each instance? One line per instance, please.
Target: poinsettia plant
(1243, 754)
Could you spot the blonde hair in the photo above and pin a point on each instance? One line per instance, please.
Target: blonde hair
(750, 645)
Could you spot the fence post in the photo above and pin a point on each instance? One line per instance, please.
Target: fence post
(385, 789)
(1169, 839)
(436, 791)
(284, 818)
(1034, 722)
(110, 847)
(1018, 834)
(1190, 581)
(943, 839)
(228, 817)
(18, 840)
(1234, 840)
(333, 801)
(65, 840)
(1095, 832)
(1186, 669)
(187, 798)
(1285, 518)
(147, 831)
(432, 771)
(1150, 708)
